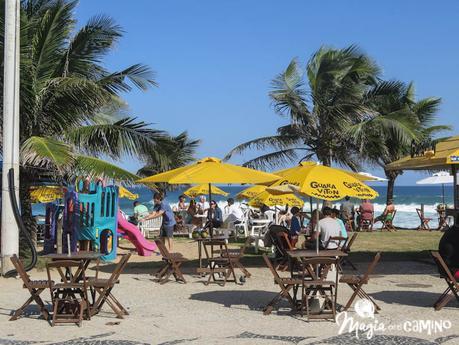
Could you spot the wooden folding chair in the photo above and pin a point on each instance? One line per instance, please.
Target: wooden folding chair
(319, 284)
(388, 224)
(283, 245)
(424, 221)
(285, 284)
(172, 263)
(69, 297)
(218, 262)
(103, 289)
(236, 255)
(35, 287)
(344, 260)
(453, 286)
(339, 241)
(356, 282)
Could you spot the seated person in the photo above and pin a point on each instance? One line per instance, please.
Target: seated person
(284, 218)
(194, 215)
(366, 212)
(140, 211)
(388, 214)
(442, 219)
(214, 215)
(335, 216)
(328, 227)
(235, 214)
(181, 206)
(295, 226)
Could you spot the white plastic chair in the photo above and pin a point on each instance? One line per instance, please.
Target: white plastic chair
(151, 227)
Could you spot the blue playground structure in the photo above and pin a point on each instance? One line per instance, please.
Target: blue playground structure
(90, 218)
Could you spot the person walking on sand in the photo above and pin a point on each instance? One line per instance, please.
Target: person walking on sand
(163, 209)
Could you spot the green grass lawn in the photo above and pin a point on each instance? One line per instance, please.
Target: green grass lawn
(401, 245)
(400, 241)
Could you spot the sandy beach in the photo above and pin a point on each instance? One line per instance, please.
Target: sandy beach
(193, 313)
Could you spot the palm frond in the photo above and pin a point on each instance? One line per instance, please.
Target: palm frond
(274, 159)
(51, 31)
(138, 75)
(426, 110)
(87, 48)
(98, 168)
(46, 153)
(276, 142)
(115, 139)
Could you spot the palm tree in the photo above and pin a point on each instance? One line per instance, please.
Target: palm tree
(320, 104)
(380, 142)
(72, 116)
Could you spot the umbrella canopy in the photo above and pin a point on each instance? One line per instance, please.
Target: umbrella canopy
(203, 189)
(441, 177)
(325, 183)
(270, 199)
(250, 192)
(211, 170)
(125, 193)
(361, 176)
(44, 194)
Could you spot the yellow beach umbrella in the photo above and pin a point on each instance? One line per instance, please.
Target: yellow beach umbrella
(44, 194)
(250, 192)
(125, 193)
(212, 170)
(325, 183)
(270, 199)
(203, 189)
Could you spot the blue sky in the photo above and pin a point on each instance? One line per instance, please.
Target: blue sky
(214, 60)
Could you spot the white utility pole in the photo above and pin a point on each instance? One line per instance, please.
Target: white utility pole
(10, 230)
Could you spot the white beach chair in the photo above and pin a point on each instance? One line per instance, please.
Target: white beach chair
(151, 227)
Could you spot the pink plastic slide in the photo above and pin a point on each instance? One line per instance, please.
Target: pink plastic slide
(133, 234)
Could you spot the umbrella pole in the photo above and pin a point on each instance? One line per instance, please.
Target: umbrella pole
(443, 192)
(209, 214)
(317, 227)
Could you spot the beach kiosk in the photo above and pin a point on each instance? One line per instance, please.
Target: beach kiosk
(444, 155)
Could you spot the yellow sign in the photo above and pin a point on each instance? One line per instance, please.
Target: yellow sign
(453, 158)
(45, 194)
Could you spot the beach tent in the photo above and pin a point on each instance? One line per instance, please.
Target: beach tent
(442, 177)
(211, 170)
(444, 155)
(203, 189)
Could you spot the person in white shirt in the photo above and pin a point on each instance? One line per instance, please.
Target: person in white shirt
(203, 204)
(328, 227)
(233, 213)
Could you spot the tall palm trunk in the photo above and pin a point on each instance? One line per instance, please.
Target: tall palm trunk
(26, 205)
(391, 177)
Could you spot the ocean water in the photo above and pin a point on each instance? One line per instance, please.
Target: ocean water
(406, 199)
